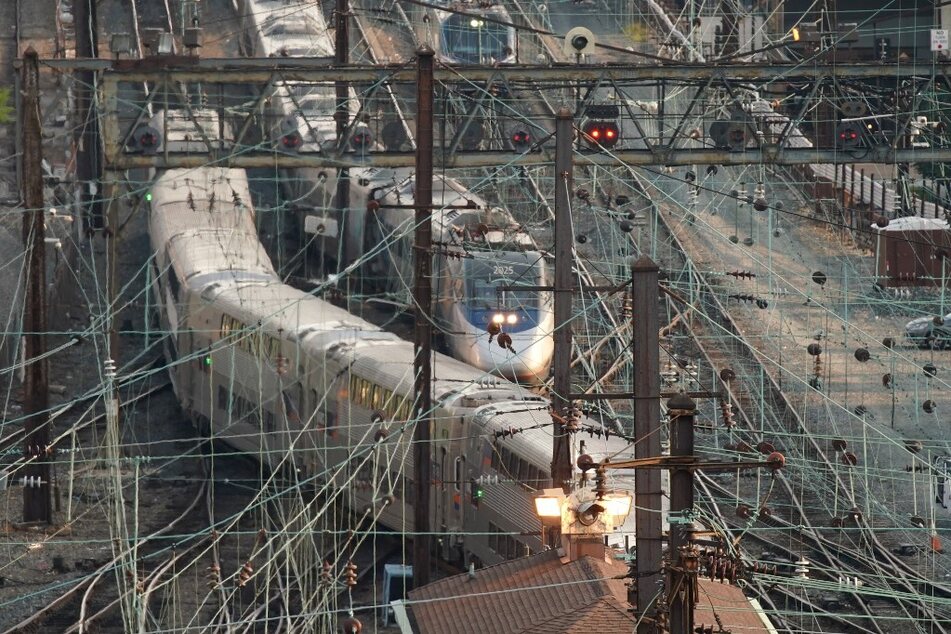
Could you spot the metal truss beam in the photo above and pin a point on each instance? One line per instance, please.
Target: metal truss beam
(321, 69)
(641, 157)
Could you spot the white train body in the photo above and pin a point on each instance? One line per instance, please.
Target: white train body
(479, 252)
(471, 33)
(285, 28)
(310, 389)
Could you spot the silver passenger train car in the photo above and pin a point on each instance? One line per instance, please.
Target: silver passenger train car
(308, 388)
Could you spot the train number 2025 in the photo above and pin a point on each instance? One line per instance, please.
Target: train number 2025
(503, 270)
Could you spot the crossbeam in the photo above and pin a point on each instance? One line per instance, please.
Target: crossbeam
(633, 157)
(321, 69)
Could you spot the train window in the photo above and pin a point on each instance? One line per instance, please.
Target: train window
(225, 326)
(534, 478)
(405, 411)
(457, 474)
(504, 460)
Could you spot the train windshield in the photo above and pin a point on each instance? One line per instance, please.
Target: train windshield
(487, 275)
(472, 40)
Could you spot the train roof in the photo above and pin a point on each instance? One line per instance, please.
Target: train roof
(914, 223)
(204, 257)
(202, 219)
(293, 30)
(534, 438)
(277, 307)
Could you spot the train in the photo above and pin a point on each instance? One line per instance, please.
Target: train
(481, 259)
(311, 390)
(284, 28)
(507, 331)
(469, 32)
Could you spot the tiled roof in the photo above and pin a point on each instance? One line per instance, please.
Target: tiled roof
(531, 594)
(731, 605)
(541, 595)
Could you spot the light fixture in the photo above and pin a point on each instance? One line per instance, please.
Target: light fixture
(474, 23)
(548, 506)
(617, 505)
(165, 44)
(511, 319)
(120, 43)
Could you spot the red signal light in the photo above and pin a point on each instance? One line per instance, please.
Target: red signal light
(148, 139)
(291, 141)
(362, 139)
(601, 134)
(520, 139)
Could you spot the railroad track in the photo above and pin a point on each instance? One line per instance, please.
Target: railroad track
(88, 586)
(723, 346)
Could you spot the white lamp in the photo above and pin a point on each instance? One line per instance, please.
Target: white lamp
(548, 506)
(618, 505)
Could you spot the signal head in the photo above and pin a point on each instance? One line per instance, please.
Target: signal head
(521, 139)
(848, 135)
(601, 134)
(292, 141)
(145, 139)
(362, 139)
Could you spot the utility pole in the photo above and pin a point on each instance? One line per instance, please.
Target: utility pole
(647, 491)
(88, 160)
(37, 498)
(561, 467)
(110, 194)
(423, 298)
(681, 591)
(342, 117)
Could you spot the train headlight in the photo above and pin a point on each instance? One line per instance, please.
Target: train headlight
(498, 318)
(511, 319)
(476, 23)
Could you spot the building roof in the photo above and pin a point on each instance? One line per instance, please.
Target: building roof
(532, 594)
(539, 594)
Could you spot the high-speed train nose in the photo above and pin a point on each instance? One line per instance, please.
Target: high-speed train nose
(526, 359)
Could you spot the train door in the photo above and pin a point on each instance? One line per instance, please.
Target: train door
(186, 371)
(457, 493)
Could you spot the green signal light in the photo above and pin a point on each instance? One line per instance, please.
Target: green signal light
(478, 494)
(207, 360)
(148, 197)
